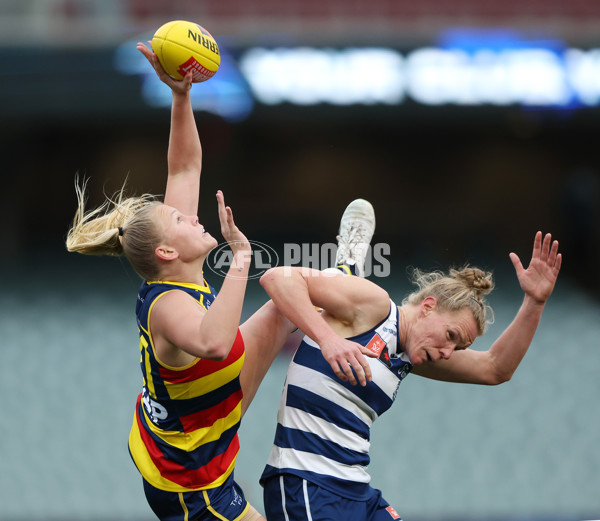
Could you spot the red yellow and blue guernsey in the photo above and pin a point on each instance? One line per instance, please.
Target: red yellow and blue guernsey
(184, 434)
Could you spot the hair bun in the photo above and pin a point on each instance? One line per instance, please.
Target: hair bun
(479, 281)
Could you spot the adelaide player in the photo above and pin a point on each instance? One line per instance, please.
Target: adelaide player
(200, 368)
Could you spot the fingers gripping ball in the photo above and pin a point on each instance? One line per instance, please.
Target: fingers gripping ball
(183, 46)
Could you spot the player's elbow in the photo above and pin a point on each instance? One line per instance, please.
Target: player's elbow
(217, 351)
(213, 348)
(266, 277)
(499, 377)
(270, 277)
(495, 371)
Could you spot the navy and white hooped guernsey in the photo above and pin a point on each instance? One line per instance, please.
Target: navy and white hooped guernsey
(323, 424)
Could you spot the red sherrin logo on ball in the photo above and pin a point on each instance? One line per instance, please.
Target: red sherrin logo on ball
(199, 72)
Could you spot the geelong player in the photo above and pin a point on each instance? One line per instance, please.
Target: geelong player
(317, 469)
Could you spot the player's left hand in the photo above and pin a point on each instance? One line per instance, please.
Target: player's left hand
(231, 233)
(537, 281)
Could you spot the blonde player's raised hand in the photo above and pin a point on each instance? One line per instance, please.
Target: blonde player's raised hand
(538, 280)
(178, 86)
(231, 233)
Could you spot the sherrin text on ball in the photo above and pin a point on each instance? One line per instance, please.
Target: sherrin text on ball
(186, 46)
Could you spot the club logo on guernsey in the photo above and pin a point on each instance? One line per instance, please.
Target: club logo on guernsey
(378, 347)
(393, 513)
(376, 344)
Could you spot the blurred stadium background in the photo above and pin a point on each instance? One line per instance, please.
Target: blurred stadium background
(469, 124)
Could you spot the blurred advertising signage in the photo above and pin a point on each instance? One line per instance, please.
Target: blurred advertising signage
(464, 68)
(533, 76)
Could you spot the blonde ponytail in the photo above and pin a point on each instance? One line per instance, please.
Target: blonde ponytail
(121, 225)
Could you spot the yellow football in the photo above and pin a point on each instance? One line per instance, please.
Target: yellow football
(183, 46)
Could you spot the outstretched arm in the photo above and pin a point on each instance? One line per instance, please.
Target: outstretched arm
(353, 304)
(180, 324)
(185, 151)
(498, 364)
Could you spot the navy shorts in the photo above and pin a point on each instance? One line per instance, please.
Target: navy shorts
(225, 503)
(291, 498)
